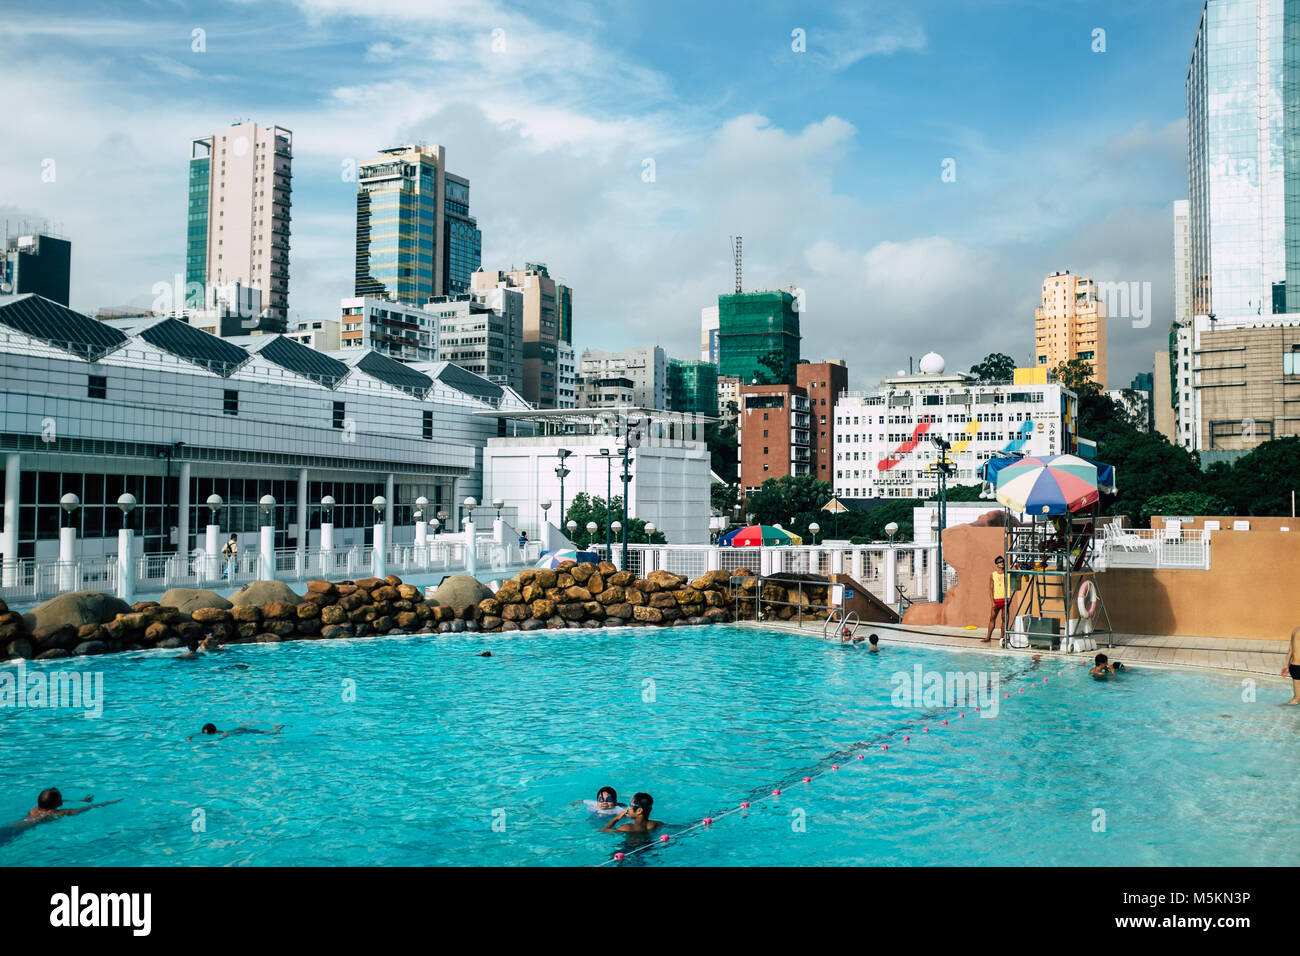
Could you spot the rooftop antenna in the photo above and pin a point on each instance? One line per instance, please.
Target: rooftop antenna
(736, 250)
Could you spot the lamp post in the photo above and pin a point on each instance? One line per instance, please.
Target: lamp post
(609, 507)
(592, 528)
(68, 543)
(471, 538)
(891, 564)
(545, 505)
(572, 527)
(379, 554)
(421, 531)
(561, 472)
(814, 528)
(126, 550)
(212, 546)
(626, 476)
(327, 534)
(498, 503)
(267, 507)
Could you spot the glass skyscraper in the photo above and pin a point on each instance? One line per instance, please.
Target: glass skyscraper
(1243, 144)
(415, 236)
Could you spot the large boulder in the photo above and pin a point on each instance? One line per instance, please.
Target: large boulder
(461, 589)
(75, 608)
(189, 600)
(264, 592)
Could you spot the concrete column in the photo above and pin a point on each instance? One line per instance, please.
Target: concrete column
(856, 565)
(378, 562)
(711, 560)
(499, 531)
(13, 470)
(212, 551)
(126, 565)
(304, 536)
(422, 543)
(649, 560)
(891, 566)
(777, 560)
(67, 558)
(764, 561)
(268, 553)
(388, 512)
(183, 511)
(471, 549)
(837, 561)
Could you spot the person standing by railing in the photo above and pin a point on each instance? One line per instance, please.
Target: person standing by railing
(231, 553)
(997, 597)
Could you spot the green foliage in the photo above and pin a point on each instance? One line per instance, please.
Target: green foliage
(585, 508)
(1146, 466)
(996, 367)
(1261, 482)
(722, 442)
(966, 493)
(722, 497)
(779, 499)
(1183, 503)
(774, 371)
(1077, 376)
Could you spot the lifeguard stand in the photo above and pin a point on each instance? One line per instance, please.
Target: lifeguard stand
(1050, 573)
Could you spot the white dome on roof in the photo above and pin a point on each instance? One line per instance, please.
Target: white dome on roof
(902, 372)
(931, 364)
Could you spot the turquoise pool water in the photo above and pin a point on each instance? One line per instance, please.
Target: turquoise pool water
(447, 758)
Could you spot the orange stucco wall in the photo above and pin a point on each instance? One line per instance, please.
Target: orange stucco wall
(1251, 591)
(1225, 522)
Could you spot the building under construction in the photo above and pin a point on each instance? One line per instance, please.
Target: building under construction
(753, 325)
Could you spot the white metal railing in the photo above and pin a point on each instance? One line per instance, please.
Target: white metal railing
(1156, 549)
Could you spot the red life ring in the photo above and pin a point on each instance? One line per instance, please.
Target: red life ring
(1087, 600)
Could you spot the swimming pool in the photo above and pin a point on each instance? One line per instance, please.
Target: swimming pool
(444, 757)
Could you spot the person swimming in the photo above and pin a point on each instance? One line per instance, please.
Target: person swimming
(191, 650)
(639, 811)
(606, 803)
(1103, 668)
(210, 644)
(875, 642)
(211, 730)
(49, 805)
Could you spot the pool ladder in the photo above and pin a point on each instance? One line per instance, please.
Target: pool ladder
(849, 621)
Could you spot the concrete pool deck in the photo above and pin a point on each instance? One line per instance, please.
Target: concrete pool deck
(1259, 657)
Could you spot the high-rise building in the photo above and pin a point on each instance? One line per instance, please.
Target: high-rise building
(1071, 324)
(1243, 159)
(566, 375)
(646, 367)
(1182, 265)
(693, 387)
(756, 331)
(728, 396)
(772, 433)
(1162, 405)
(1181, 395)
(547, 304)
(405, 332)
(709, 334)
(415, 236)
(824, 383)
(483, 333)
(238, 230)
(39, 264)
(1248, 387)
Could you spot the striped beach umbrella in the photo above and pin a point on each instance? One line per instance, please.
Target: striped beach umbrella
(1056, 485)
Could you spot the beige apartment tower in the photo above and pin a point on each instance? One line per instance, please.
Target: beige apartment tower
(547, 322)
(238, 223)
(1071, 324)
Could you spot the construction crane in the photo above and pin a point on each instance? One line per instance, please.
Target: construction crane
(735, 253)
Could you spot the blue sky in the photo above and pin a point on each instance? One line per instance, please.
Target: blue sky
(827, 161)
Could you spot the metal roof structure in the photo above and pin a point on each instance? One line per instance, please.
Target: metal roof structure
(194, 345)
(304, 361)
(395, 374)
(57, 325)
(470, 383)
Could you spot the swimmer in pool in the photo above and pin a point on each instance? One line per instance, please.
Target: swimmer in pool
(50, 805)
(1103, 668)
(210, 644)
(1292, 668)
(875, 642)
(191, 651)
(210, 730)
(606, 803)
(639, 811)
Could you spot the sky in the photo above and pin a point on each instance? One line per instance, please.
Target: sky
(917, 169)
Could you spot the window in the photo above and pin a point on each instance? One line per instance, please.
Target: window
(231, 403)
(98, 387)
(764, 432)
(764, 449)
(428, 424)
(1291, 362)
(339, 414)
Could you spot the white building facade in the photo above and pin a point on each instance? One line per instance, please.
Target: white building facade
(406, 332)
(883, 446)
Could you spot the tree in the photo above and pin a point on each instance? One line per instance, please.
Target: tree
(722, 497)
(585, 508)
(1183, 503)
(791, 496)
(721, 440)
(1146, 466)
(1261, 482)
(996, 367)
(1077, 375)
(774, 371)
